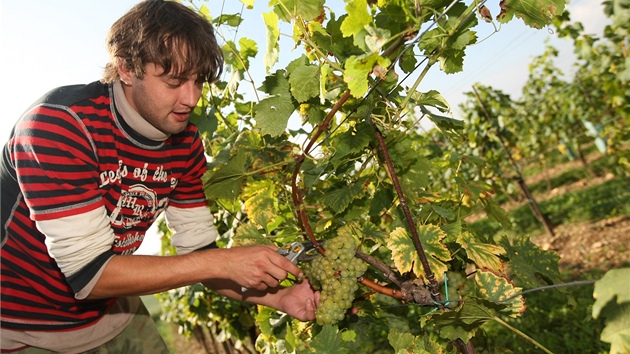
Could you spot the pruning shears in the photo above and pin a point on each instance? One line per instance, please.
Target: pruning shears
(299, 251)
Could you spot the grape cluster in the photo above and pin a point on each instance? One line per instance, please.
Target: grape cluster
(337, 275)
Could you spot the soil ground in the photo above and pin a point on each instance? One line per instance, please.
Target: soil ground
(584, 246)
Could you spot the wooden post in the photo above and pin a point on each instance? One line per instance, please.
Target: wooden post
(519, 176)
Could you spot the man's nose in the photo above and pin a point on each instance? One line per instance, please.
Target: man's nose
(190, 93)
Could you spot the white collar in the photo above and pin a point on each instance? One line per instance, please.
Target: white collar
(133, 118)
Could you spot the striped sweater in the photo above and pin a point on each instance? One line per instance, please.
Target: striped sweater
(71, 163)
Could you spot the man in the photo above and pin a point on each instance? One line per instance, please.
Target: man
(87, 170)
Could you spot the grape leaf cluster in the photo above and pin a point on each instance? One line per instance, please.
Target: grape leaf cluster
(336, 275)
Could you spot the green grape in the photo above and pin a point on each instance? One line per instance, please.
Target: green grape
(337, 273)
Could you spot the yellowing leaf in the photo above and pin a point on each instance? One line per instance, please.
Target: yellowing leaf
(358, 17)
(356, 73)
(495, 288)
(260, 202)
(406, 258)
(248, 234)
(614, 284)
(248, 3)
(482, 254)
(273, 34)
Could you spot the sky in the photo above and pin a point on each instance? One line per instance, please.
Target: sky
(45, 44)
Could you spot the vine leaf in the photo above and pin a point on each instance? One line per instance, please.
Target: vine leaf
(357, 69)
(339, 199)
(528, 262)
(495, 287)
(358, 17)
(496, 213)
(351, 142)
(307, 9)
(617, 330)
(406, 258)
(260, 203)
(431, 98)
(248, 234)
(304, 82)
(614, 284)
(536, 14)
(464, 322)
(329, 340)
(273, 34)
(405, 342)
(227, 181)
(484, 255)
(272, 113)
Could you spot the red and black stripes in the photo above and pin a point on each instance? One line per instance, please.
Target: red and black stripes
(68, 155)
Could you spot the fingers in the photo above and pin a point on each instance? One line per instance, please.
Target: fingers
(286, 266)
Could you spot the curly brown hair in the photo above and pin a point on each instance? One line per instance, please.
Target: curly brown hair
(165, 33)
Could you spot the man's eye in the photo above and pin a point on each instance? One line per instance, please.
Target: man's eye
(174, 83)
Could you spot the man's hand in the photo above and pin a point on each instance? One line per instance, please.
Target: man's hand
(299, 301)
(259, 267)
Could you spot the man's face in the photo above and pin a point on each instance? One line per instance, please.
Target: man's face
(164, 101)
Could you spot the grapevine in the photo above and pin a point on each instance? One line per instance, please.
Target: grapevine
(336, 274)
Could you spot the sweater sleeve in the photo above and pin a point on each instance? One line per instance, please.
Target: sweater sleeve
(80, 252)
(193, 228)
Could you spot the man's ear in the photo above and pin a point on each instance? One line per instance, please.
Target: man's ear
(125, 74)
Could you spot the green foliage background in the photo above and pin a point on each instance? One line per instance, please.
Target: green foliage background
(268, 183)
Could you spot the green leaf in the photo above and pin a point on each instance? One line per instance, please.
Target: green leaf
(617, 330)
(229, 20)
(260, 202)
(495, 287)
(443, 212)
(263, 319)
(339, 199)
(273, 34)
(452, 230)
(528, 262)
(358, 17)
(484, 255)
(536, 14)
(452, 61)
(614, 284)
(310, 9)
(431, 98)
(227, 181)
(304, 82)
(400, 341)
(405, 343)
(351, 142)
(249, 49)
(612, 301)
(288, 9)
(272, 113)
(496, 213)
(328, 341)
(445, 123)
(407, 259)
(464, 322)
